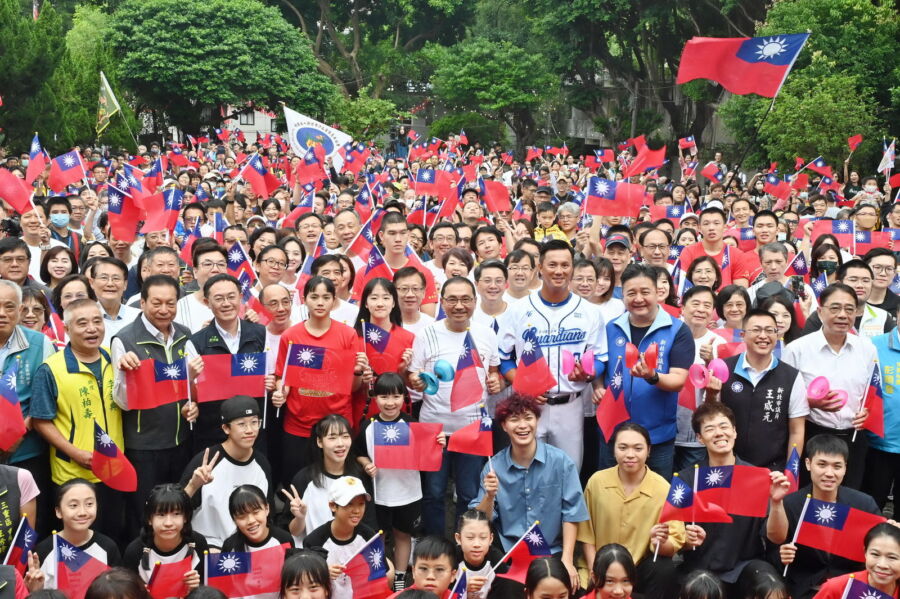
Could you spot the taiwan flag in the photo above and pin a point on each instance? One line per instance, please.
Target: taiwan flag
(15, 192)
(746, 239)
(533, 376)
(425, 182)
(239, 574)
(819, 284)
(530, 547)
(712, 172)
(741, 490)
(260, 179)
(239, 261)
(819, 165)
(835, 528)
(24, 541)
(459, 587)
(467, 386)
(368, 569)
(66, 170)
(318, 368)
(857, 589)
(684, 505)
(843, 230)
(156, 384)
(687, 142)
(612, 410)
(110, 465)
(853, 141)
(671, 212)
(475, 438)
(646, 160)
(612, 198)
(226, 375)
(13, 424)
(375, 267)
(37, 161)
(874, 402)
(797, 266)
(167, 580)
(777, 187)
(863, 241)
(496, 196)
(407, 446)
(75, 569)
(792, 470)
(756, 65)
(123, 214)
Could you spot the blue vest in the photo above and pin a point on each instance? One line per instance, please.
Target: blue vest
(649, 406)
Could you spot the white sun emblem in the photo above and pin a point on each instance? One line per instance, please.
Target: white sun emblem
(35, 147)
(11, 380)
(464, 352)
(374, 336)
(869, 595)
(486, 422)
(375, 558)
(235, 256)
(528, 347)
(534, 539)
(229, 562)
(842, 227)
(248, 364)
(677, 495)
(771, 47)
(28, 538)
(306, 355)
(68, 552)
(426, 176)
(826, 514)
(114, 199)
(860, 236)
(617, 380)
(172, 371)
(104, 439)
(68, 160)
(133, 180)
(715, 477)
(601, 188)
(390, 434)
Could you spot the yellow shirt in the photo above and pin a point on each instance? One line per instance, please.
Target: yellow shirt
(616, 518)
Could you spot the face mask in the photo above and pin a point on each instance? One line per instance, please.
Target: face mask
(781, 237)
(870, 188)
(804, 195)
(827, 266)
(59, 220)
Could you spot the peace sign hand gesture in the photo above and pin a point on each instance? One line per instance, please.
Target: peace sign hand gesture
(203, 474)
(297, 505)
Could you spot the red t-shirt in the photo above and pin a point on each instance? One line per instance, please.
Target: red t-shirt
(400, 341)
(833, 588)
(737, 262)
(305, 407)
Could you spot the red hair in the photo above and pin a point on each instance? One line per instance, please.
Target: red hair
(515, 405)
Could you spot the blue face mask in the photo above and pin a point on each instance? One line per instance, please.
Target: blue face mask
(59, 220)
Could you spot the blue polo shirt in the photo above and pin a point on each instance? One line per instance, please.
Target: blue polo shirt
(548, 490)
(888, 346)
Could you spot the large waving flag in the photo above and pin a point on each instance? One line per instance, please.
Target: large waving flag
(777, 187)
(843, 230)
(305, 132)
(835, 528)
(685, 505)
(874, 402)
(375, 267)
(12, 423)
(15, 192)
(368, 570)
(258, 176)
(475, 438)
(530, 547)
(741, 490)
(23, 542)
(65, 170)
(797, 266)
(75, 569)
(110, 465)
(533, 376)
(612, 410)
(156, 384)
(407, 446)
(123, 214)
(613, 198)
(227, 375)
(756, 65)
(240, 574)
(467, 386)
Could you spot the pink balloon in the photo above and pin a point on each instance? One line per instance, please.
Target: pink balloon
(818, 388)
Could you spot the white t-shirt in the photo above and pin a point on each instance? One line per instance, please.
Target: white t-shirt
(193, 313)
(684, 435)
(437, 342)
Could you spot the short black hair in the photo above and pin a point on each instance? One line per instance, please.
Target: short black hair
(827, 445)
(218, 279)
(108, 260)
(433, 547)
(453, 280)
(711, 409)
(758, 312)
(855, 263)
(490, 264)
(555, 245)
(9, 244)
(837, 288)
(712, 210)
(410, 271)
(635, 271)
(157, 281)
(877, 253)
(487, 230)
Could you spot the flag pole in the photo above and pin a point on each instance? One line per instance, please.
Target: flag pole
(749, 144)
(287, 357)
(206, 568)
(694, 502)
(186, 371)
(265, 396)
(797, 530)
(508, 553)
(15, 536)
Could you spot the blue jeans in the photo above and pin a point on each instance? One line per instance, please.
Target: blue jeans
(466, 471)
(661, 460)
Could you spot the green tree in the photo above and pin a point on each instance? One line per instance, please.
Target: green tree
(498, 80)
(364, 117)
(188, 63)
(478, 128)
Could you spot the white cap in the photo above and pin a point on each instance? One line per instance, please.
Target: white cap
(345, 489)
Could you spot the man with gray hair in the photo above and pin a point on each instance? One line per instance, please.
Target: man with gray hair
(774, 259)
(21, 353)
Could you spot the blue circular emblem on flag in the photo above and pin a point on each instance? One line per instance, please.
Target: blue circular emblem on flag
(308, 137)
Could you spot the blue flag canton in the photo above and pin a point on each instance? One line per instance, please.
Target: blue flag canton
(70, 555)
(174, 198)
(375, 260)
(116, 198)
(779, 50)
(747, 233)
(602, 188)
(772, 179)
(8, 383)
(536, 543)
(307, 356)
(374, 555)
(860, 590)
(236, 256)
(617, 379)
(377, 337)
(251, 364)
(25, 540)
(169, 372)
(825, 513)
(680, 494)
(714, 477)
(391, 433)
(228, 564)
(68, 161)
(793, 464)
(531, 349)
(36, 149)
(257, 165)
(425, 175)
(104, 443)
(467, 355)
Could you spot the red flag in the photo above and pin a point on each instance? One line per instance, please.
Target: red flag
(842, 229)
(75, 569)
(613, 198)
(853, 141)
(496, 197)
(819, 166)
(260, 179)
(110, 465)
(612, 411)
(645, 160)
(835, 528)
(533, 376)
(475, 438)
(467, 386)
(368, 571)
(740, 490)
(800, 181)
(15, 192)
(167, 580)
(532, 152)
(777, 187)
(742, 65)
(894, 181)
(530, 547)
(712, 172)
(65, 170)
(874, 402)
(375, 267)
(684, 505)
(22, 543)
(311, 167)
(12, 423)
(123, 214)
(239, 574)
(407, 445)
(156, 384)
(226, 375)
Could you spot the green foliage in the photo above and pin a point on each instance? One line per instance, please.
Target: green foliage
(364, 117)
(478, 128)
(187, 62)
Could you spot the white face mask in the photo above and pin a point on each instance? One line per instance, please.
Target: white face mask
(870, 188)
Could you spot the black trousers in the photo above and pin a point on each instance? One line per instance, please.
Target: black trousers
(858, 450)
(295, 456)
(154, 467)
(882, 472)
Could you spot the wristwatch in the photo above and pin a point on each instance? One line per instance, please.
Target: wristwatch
(654, 379)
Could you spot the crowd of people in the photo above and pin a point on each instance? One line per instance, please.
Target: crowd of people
(614, 306)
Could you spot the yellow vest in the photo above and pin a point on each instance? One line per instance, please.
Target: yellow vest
(79, 403)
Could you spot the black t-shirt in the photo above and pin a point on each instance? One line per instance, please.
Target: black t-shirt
(141, 558)
(238, 542)
(890, 304)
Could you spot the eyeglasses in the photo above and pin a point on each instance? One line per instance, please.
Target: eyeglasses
(757, 331)
(275, 304)
(223, 299)
(465, 301)
(836, 309)
(273, 263)
(109, 279)
(657, 247)
(443, 239)
(248, 426)
(14, 259)
(209, 265)
(883, 269)
(408, 290)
